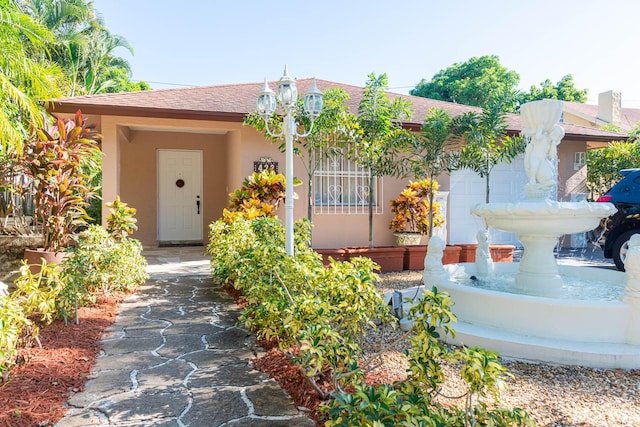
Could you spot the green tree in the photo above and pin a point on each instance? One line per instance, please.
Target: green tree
(25, 75)
(121, 82)
(564, 90)
(604, 165)
(379, 121)
(478, 82)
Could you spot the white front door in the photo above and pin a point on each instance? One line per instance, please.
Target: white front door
(180, 200)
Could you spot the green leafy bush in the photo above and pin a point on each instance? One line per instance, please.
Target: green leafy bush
(100, 263)
(318, 316)
(413, 402)
(121, 221)
(35, 296)
(604, 165)
(13, 321)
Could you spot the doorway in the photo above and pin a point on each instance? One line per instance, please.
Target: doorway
(180, 202)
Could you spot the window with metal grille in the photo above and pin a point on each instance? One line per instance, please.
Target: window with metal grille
(341, 186)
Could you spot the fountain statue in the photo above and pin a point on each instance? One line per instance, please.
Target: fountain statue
(484, 262)
(536, 309)
(434, 272)
(539, 221)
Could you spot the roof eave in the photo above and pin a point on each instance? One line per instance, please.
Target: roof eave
(161, 113)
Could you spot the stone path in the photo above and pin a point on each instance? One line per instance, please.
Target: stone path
(174, 357)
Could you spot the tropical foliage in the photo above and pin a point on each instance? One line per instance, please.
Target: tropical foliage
(379, 123)
(260, 195)
(83, 47)
(411, 209)
(53, 160)
(33, 303)
(604, 165)
(99, 263)
(26, 74)
(430, 152)
(487, 144)
(53, 48)
(121, 221)
(319, 315)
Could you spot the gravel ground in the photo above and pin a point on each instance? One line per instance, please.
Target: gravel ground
(552, 395)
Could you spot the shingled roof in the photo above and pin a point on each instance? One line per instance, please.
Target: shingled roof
(629, 117)
(233, 101)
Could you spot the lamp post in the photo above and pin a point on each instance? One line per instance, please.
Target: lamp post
(287, 97)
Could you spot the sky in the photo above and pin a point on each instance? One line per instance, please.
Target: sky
(208, 42)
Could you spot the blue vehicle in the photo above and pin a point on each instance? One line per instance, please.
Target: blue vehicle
(614, 232)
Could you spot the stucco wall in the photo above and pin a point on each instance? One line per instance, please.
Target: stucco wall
(570, 180)
(138, 174)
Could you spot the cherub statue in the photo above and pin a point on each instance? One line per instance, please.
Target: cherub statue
(632, 267)
(484, 262)
(434, 271)
(540, 154)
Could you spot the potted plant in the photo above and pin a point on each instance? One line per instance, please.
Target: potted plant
(53, 160)
(412, 211)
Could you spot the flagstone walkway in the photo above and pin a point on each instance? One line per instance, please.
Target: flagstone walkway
(175, 357)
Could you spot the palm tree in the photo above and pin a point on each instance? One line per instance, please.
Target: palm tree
(26, 76)
(379, 120)
(83, 46)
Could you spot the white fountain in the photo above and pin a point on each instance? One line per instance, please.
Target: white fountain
(539, 222)
(532, 318)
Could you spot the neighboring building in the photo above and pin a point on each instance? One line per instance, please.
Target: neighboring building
(176, 154)
(608, 111)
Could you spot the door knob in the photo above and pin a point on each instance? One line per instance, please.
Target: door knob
(198, 204)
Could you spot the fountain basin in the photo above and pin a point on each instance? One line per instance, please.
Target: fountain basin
(544, 217)
(539, 225)
(562, 331)
(566, 319)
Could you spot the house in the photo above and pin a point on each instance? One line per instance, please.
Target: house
(608, 111)
(176, 154)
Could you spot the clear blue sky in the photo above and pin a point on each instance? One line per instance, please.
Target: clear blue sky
(208, 42)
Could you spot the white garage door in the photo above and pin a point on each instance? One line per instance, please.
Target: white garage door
(467, 188)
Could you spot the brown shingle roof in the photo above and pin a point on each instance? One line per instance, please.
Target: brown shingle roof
(629, 117)
(232, 102)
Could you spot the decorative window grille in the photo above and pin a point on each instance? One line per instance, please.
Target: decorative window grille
(341, 186)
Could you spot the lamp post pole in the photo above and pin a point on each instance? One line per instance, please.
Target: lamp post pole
(266, 105)
(289, 128)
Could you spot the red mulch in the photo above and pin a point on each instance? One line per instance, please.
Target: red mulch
(37, 389)
(291, 379)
